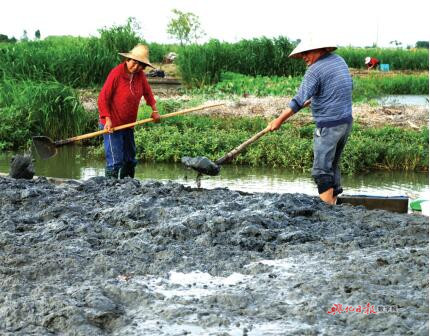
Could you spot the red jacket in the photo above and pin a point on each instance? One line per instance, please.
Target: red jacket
(373, 62)
(120, 96)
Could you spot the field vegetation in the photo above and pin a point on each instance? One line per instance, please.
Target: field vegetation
(39, 82)
(387, 148)
(365, 88)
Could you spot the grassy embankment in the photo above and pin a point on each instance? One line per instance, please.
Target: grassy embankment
(38, 81)
(291, 147)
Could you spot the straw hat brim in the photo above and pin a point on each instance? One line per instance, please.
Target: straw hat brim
(301, 48)
(140, 59)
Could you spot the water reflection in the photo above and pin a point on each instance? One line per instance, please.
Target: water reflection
(75, 162)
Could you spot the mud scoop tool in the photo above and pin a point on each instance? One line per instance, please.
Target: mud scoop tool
(203, 165)
(46, 147)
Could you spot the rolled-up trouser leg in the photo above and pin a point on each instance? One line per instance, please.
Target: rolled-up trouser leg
(329, 143)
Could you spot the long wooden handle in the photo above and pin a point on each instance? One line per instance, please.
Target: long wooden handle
(139, 122)
(230, 155)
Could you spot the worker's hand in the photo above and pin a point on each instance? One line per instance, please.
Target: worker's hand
(275, 124)
(156, 116)
(108, 125)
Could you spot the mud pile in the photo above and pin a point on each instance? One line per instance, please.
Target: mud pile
(106, 257)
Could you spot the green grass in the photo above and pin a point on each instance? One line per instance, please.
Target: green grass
(365, 88)
(388, 148)
(29, 108)
(398, 59)
(85, 62)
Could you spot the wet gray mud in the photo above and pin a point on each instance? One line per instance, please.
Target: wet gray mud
(106, 257)
(21, 166)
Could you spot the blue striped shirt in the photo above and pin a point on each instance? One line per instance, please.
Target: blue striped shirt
(328, 83)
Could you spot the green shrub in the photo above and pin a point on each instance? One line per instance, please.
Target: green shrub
(365, 88)
(29, 108)
(388, 148)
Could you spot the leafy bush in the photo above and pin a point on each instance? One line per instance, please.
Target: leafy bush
(388, 148)
(29, 108)
(365, 88)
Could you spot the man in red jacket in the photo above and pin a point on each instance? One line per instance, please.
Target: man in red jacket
(118, 104)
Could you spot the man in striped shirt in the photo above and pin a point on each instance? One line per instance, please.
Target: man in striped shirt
(327, 85)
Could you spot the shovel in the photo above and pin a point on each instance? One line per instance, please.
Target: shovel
(203, 165)
(47, 148)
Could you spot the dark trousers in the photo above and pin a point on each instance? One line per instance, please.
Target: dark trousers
(120, 152)
(329, 143)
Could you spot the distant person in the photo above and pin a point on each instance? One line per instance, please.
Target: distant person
(118, 104)
(371, 62)
(327, 85)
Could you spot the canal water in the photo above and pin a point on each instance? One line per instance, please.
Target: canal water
(408, 100)
(76, 162)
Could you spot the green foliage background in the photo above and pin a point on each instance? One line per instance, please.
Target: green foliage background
(388, 148)
(38, 97)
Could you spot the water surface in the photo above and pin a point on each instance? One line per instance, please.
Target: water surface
(76, 162)
(410, 100)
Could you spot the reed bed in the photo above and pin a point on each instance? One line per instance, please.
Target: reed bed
(49, 108)
(85, 62)
(203, 64)
(398, 59)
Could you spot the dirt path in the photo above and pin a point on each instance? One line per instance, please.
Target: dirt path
(411, 117)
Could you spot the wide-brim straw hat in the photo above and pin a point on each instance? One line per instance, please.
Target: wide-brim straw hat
(312, 43)
(139, 53)
(367, 60)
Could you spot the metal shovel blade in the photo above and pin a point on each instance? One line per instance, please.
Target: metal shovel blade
(201, 164)
(45, 147)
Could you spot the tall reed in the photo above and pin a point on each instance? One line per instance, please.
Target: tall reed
(202, 64)
(398, 59)
(30, 108)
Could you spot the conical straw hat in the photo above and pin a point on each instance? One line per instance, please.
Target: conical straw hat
(312, 43)
(139, 53)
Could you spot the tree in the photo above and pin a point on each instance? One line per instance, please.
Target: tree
(120, 38)
(37, 34)
(185, 27)
(4, 38)
(422, 44)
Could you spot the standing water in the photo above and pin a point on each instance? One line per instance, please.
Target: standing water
(76, 162)
(414, 100)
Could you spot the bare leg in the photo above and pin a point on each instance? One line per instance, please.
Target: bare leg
(327, 196)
